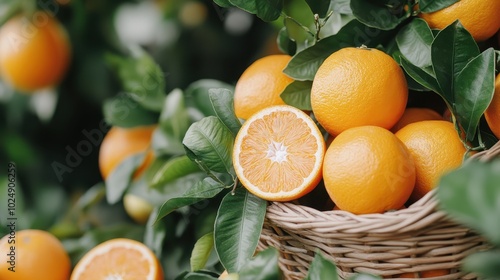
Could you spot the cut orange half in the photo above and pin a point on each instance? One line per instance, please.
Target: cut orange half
(118, 259)
(278, 153)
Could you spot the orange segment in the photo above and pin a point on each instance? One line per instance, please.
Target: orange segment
(278, 153)
(118, 259)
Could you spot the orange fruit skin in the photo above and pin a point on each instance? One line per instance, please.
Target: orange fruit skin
(120, 143)
(39, 255)
(436, 149)
(412, 115)
(367, 169)
(357, 87)
(34, 52)
(260, 85)
(492, 113)
(480, 17)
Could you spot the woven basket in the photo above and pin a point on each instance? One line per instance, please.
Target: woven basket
(418, 238)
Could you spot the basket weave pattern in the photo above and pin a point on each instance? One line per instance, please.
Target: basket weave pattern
(418, 238)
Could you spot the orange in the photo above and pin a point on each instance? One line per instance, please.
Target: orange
(367, 169)
(37, 255)
(357, 87)
(436, 149)
(425, 274)
(412, 115)
(119, 258)
(260, 85)
(492, 114)
(34, 52)
(121, 143)
(278, 153)
(480, 17)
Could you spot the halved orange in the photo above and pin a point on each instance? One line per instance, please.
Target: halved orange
(278, 153)
(120, 259)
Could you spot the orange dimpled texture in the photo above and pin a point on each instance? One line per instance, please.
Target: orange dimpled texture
(436, 149)
(412, 115)
(260, 85)
(278, 154)
(34, 52)
(368, 169)
(492, 114)
(356, 87)
(37, 255)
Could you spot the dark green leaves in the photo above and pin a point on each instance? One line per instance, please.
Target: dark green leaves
(427, 6)
(414, 41)
(237, 228)
(123, 111)
(298, 94)
(319, 7)
(382, 16)
(321, 268)
(264, 266)
(486, 264)
(267, 10)
(172, 169)
(222, 103)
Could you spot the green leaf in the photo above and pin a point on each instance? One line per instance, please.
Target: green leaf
(298, 94)
(341, 6)
(201, 251)
(120, 178)
(471, 196)
(303, 65)
(420, 76)
(172, 169)
(428, 6)
(197, 94)
(414, 41)
(267, 10)
(122, 111)
(264, 266)
(140, 77)
(165, 144)
(237, 228)
(321, 268)
(451, 50)
(210, 142)
(381, 16)
(486, 264)
(222, 102)
(199, 275)
(207, 188)
(285, 44)
(364, 277)
(174, 118)
(474, 89)
(319, 7)
(223, 3)
(155, 234)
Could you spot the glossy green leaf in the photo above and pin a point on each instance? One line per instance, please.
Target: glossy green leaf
(303, 65)
(264, 266)
(140, 77)
(119, 179)
(385, 17)
(197, 94)
(210, 142)
(237, 228)
(474, 89)
(428, 6)
(122, 111)
(172, 169)
(155, 234)
(414, 41)
(298, 94)
(222, 102)
(420, 76)
(321, 268)
(207, 188)
(201, 251)
(285, 44)
(319, 7)
(471, 196)
(451, 50)
(174, 118)
(267, 10)
(223, 3)
(486, 264)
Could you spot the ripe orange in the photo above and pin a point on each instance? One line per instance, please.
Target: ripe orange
(412, 115)
(260, 85)
(34, 52)
(480, 17)
(119, 258)
(367, 169)
(120, 143)
(425, 274)
(278, 153)
(37, 255)
(492, 114)
(436, 149)
(357, 87)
